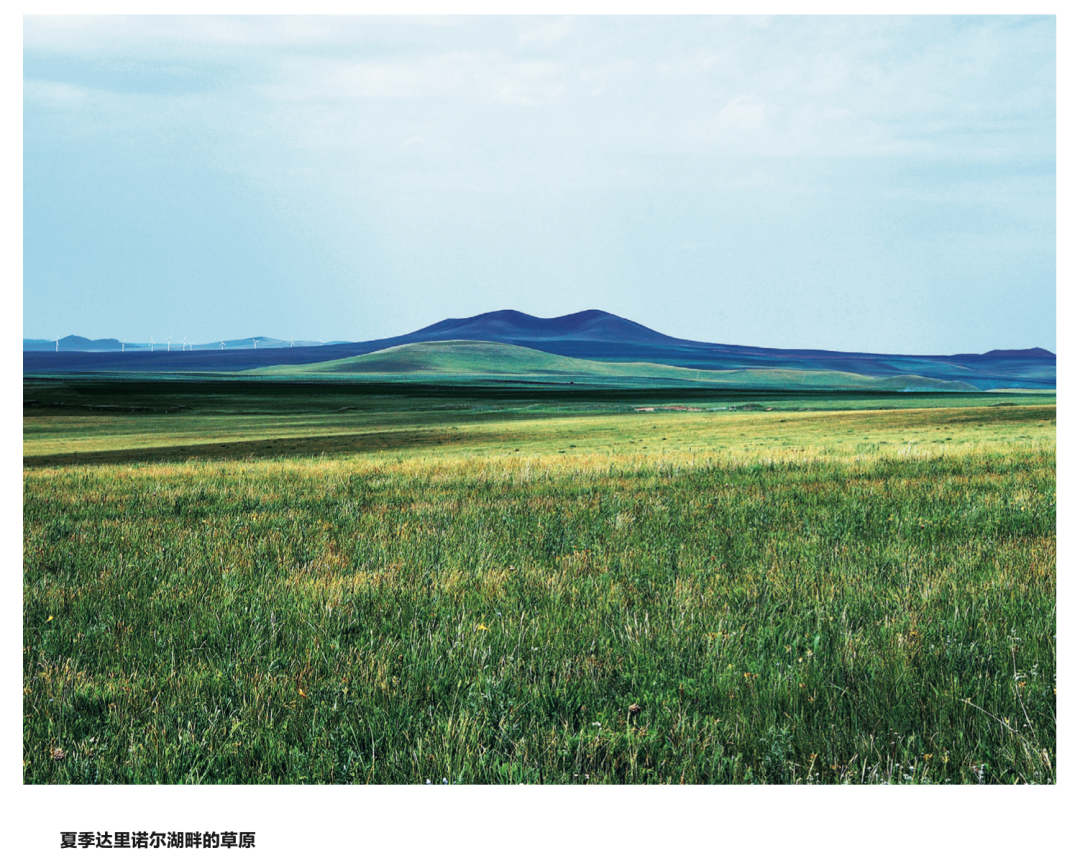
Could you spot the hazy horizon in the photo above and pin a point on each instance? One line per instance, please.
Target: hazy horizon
(160, 343)
(847, 183)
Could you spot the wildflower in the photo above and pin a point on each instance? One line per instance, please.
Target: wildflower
(57, 754)
(302, 693)
(482, 627)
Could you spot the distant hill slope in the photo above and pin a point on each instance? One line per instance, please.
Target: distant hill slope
(483, 360)
(75, 343)
(592, 335)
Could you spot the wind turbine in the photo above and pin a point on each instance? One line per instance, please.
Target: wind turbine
(222, 345)
(184, 344)
(122, 342)
(255, 342)
(168, 344)
(58, 345)
(291, 341)
(151, 343)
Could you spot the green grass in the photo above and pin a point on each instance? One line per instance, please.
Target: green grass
(484, 361)
(700, 597)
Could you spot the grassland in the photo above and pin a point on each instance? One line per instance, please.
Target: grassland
(544, 589)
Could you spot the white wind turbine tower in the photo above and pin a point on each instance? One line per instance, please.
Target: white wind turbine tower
(151, 343)
(255, 342)
(184, 344)
(222, 345)
(58, 345)
(122, 343)
(168, 344)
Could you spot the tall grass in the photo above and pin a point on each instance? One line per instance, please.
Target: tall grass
(858, 614)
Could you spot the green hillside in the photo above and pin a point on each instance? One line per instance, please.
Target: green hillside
(479, 361)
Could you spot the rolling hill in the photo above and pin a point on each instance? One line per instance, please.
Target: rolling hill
(484, 361)
(591, 335)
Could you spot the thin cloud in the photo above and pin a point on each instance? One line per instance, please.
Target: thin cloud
(856, 88)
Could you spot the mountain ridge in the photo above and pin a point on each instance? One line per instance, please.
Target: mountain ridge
(591, 325)
(592, 335)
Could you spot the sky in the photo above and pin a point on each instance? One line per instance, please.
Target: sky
(882, 184)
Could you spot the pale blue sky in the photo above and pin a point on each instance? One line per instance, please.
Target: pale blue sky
(881, 184)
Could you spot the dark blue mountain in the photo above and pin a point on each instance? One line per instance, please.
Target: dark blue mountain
(590, 334)
(500, 326)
